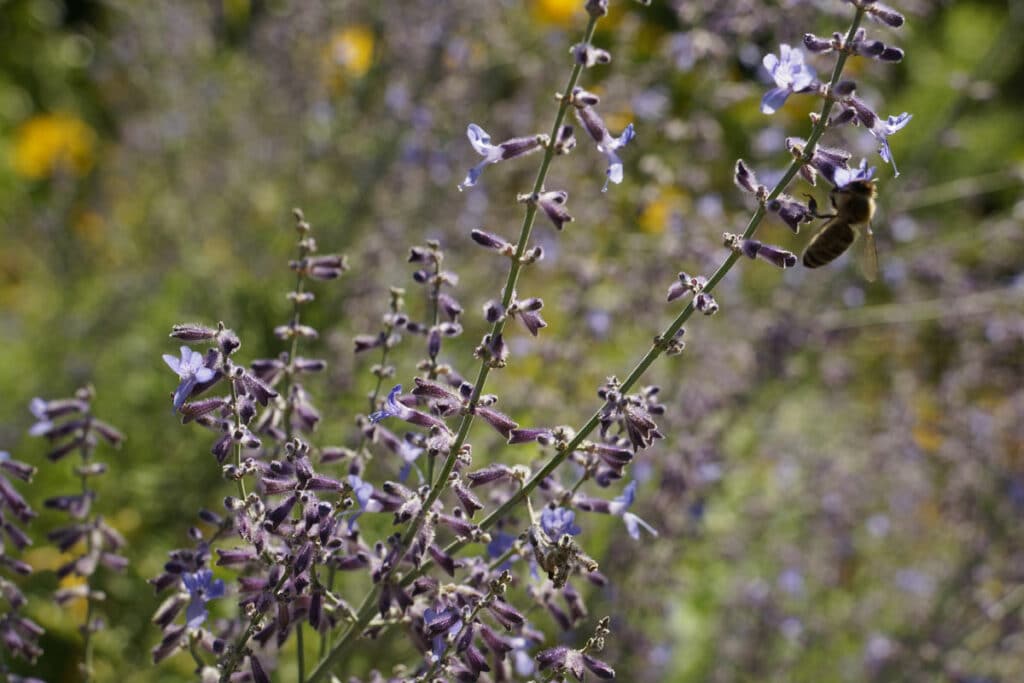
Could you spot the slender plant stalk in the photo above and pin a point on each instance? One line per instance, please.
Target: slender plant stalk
(369, 605)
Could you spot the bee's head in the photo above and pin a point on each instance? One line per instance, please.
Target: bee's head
(855, 191)
(861, 188)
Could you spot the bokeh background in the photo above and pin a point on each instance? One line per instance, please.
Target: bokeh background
(841, 492)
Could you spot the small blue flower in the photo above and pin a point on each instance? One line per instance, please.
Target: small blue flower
(392, 408)
(883, 129)
(619, 506)
(790, 74)
(363, 493)
(438, 619)
(191, 370)
(481, 142)
(501, 543)
(523, 662)
(557, 522)
(492, 154)
(844, 176)
(409, 454)
(201, 589)
(608, 147)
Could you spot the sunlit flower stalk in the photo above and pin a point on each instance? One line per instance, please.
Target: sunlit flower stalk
(366, 610)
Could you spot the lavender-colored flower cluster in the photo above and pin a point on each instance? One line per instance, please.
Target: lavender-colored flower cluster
(417, 523)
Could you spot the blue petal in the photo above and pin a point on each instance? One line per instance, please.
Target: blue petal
(216, 590)
(626, 137)
(479, 138)
(183, 391)
(196, 614)
(473, 175)
(773, 100)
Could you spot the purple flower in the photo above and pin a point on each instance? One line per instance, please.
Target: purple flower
(392, 408)
(883, 129)
(619, 507)
(501, 543)
(557, 522)
(608, 147)
(492, 154)
(363, 492)
(201, 589)
(191, 370)
(790, 74)
(844, 176)
(440, 624)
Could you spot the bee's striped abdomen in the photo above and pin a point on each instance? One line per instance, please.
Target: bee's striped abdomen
(827, 245)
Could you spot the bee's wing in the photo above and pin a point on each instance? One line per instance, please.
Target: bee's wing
(832, 240)
(868, 255)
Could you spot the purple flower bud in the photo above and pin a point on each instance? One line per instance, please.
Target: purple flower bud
(532, 320)
(588, 55)
(581, 98)
(443, 559)
(495, 643)
(526, 435)
(258, 673)
(493, 312)
(592, 123)
(745, 178)
(598, 668)
(705, 303)
(829, 161)
(842, 118)
(461, 526)
(501, 423)
(470, 503)
(791, 211)
(779, 258)
(566, 140)
(885, 14)
(505, 613)
(597, 8)
(553, 205)
(192, 332)
(864, 114)
(891, 54)
(430, 389)
(815, 44)
(489, 474)
(449, 305)
(489, 240)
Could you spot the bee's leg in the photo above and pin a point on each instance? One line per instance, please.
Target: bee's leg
(812, 204)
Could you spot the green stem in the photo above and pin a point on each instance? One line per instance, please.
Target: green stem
(238, 428)
(369, 605)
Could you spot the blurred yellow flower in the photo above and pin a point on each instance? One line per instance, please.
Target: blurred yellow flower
(349, 54)
(50, 142)
(560, 12)
(658, 213)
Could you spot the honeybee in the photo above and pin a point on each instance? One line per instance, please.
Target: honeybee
(854, 207)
